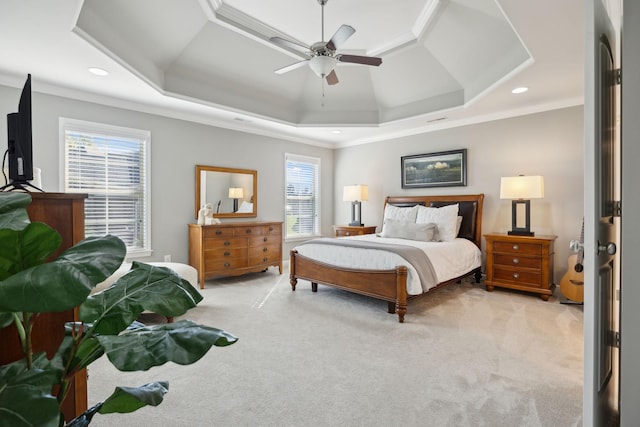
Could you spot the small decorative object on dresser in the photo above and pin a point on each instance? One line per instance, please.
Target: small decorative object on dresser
(520, 262)
(350, 230)
(232, 249)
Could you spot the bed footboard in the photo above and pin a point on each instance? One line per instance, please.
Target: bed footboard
(388, 285)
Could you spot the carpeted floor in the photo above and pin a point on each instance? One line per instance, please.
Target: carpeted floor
(464, 357)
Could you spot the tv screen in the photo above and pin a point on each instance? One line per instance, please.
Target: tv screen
(19, 140)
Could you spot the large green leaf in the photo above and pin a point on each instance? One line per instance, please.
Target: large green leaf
(31, 246)
(145, 287)
(129, 399)
(22, 390)
(183, 342)
(13, 210)
(66, 282)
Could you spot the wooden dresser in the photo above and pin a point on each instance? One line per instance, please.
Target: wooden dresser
(353, 230)
(233, 249)
(520, 262)
(64, 213)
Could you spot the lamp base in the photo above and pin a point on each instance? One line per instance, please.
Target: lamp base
(521, 233)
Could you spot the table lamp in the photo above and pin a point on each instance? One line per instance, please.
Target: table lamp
(355, 194)
(235, 193)
(520, 189)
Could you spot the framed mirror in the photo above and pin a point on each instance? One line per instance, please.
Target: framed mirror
(233, 193)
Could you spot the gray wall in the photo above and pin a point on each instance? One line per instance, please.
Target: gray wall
(176, 147)
(548, 144)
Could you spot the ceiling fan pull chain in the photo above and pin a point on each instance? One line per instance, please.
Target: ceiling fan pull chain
(322, 102)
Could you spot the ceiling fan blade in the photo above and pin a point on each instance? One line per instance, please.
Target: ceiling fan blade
(332, 78)
(291, 67)
(288, 44)
(343, 33)
(357, 59)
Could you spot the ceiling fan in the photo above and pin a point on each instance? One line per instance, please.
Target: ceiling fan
(321, 56)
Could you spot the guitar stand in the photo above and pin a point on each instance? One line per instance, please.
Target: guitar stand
(564, 300)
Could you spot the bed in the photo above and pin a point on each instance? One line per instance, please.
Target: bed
(396, 284)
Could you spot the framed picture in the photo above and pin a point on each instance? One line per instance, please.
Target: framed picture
(442, 169)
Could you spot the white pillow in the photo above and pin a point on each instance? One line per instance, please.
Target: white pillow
(245, 207)
(408, 230)
(396, 213)
(445, 218)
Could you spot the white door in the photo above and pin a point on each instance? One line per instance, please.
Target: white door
(601, 169)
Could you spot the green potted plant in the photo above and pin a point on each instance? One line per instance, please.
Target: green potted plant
(29, 285)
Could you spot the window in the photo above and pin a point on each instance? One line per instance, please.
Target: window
(302, 196)
(111, 165)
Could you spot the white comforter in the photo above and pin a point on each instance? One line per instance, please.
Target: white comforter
(449, 259)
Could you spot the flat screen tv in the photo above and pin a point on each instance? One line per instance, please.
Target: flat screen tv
(19, 143)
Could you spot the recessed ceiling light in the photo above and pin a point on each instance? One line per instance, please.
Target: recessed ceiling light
(98, 71)
(337, 131)
(521, 89)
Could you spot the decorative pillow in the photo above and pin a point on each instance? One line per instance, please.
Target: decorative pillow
(408, 230)
(445, 218)
(396, 213)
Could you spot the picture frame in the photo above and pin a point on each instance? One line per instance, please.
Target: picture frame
(441, 169)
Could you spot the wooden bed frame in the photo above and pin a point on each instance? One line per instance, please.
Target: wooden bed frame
(390, 285)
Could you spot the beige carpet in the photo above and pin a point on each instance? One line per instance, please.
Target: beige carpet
(464, 357)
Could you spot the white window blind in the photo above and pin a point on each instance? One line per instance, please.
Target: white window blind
(110, 164)
(302, 196)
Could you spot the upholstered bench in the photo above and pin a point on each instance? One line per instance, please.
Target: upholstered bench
(185, 271)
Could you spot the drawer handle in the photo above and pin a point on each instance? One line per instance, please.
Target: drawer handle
(265, 249)
(227, 265)
(265, 239)
(516, 260)
(516, 247)
(227, 243)
(265, 259)
(516, 276)
(218, 232)
(347, 233)
(271, 228)
(227, 253)
(248, 231)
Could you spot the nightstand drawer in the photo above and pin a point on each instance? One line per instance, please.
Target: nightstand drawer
(518, 247)
(517, 261)
(525, 278)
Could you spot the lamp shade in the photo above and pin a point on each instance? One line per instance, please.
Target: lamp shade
(322, 65)
(236, 193)
(355, 193)
(522, 187)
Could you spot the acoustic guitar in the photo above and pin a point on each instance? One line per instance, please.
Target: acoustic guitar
(572, 283)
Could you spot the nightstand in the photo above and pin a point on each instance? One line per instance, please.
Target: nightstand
(520, 262)
(353, 230)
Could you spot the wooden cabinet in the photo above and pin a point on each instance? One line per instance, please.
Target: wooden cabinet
(520, 262)
(232, 249)
(353, 230)
(65, 214)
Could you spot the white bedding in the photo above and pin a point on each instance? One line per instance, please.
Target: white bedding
(449, 259)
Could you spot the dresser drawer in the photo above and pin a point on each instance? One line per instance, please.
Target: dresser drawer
(257, 241)
(521, 277)
(219, 265)
(231, 242)
(216, 232)
(226, 253)
(515, 260)
(264, 249)
(518, 248)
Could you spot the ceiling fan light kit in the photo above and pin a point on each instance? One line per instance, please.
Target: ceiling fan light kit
(321, 56)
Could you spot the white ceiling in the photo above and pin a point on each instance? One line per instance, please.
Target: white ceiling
(444, 62)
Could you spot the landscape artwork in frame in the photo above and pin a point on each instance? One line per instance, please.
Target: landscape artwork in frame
(442, 169)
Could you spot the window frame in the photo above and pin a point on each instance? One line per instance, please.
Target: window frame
(316, 162)
(102, 129)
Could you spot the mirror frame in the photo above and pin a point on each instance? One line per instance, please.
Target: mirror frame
(203, 168)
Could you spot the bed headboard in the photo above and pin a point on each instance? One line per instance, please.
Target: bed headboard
(470, 208)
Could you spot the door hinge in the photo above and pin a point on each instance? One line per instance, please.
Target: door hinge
(616, 339)
(617, 75)
(617, 208)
